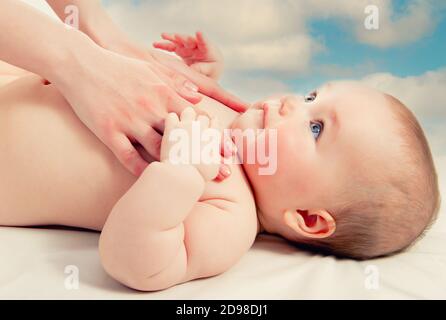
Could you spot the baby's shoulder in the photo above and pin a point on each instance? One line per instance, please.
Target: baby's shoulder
(235, 190)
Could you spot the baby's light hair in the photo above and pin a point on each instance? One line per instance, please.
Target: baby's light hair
(387, 218)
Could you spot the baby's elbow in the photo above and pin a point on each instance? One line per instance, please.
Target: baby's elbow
(135, 279)
(143, 283)
(136, 275)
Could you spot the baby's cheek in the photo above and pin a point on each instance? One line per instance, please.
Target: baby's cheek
(296, 157)
(293, 149)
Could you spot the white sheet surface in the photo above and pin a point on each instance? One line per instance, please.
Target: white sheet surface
(33, 262)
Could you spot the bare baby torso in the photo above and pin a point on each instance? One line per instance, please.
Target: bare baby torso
(55, 171)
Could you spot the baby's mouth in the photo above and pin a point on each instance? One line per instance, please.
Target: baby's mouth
(266, 106)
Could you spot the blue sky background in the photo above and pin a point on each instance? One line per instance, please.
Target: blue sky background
(427, 53)
(343, 50)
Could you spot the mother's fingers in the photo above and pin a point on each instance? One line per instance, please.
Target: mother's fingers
(186, 89)
(183, 87)
(149, 138)
(206, 85)
(181, 97)
(126, 153)
(211, 89)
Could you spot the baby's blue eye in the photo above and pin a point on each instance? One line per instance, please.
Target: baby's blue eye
(316, 129)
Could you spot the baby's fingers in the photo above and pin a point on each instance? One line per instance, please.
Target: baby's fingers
(171, 122)
(202, 43)
(168, 37)
(179, 39)
(186, 41)
(188, 115)
(167, 46)
(204, 121)
(191, 43)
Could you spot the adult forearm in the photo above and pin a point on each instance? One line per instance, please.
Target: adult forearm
(33, 41)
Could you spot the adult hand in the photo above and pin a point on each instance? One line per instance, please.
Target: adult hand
(98, 25)
(172, 67)
(123, 100)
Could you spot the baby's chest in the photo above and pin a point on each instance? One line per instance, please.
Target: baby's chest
(222, 226)
(235, 188)
(234, 196)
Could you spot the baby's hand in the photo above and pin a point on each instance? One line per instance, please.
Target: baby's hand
(196, 52)
(185, 142)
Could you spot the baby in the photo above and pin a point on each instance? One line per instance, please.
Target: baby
(354, 177)
(377, 188)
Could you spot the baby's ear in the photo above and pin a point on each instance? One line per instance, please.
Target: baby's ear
(315, 224)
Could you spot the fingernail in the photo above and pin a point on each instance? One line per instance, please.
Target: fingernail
(225, 171)
(191, 86)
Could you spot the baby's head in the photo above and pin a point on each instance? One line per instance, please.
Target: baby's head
(355, 176)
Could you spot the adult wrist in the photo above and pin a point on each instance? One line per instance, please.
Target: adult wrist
(67, 57)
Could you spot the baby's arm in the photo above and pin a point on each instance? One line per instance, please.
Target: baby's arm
(161, 233)
(196, 51)
(141, 244)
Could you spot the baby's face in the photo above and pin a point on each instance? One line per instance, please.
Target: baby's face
(334, 134)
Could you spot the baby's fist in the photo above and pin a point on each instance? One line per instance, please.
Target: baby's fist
(191, 140)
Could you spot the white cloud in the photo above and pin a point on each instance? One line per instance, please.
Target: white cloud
(287, 55)
(270, 35)
(267, 35)
(253, 35)
(437, 140)
(417, 21)
(394, 29)
(425, 94)
(341, 71)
